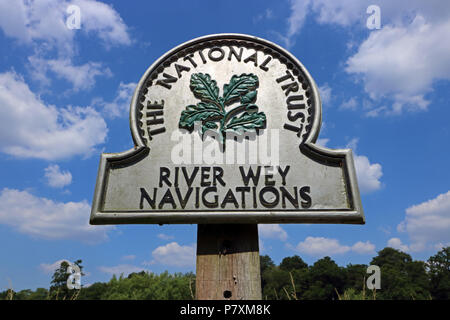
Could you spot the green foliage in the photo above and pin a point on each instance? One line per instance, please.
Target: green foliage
(203, 112)
(353, 294)
(8, 294)
(439, 274)
(94, 292)
(240, 87)
(212, 107)
(325, 277)
(276, 282)
(401, 278)
(58, 289)
(355, 276)
(149, 286)
(265, 262)
(204, 88)
(301, 281)
(293, 263)
(247, 121)
(39, 294)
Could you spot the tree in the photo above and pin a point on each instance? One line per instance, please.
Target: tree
(392, 257)
(355, 277)
(401, 277)
(27, 294)
(293, 263)
(8, 294)
(94, 292)
(439, 274)
(39, 294)
(301, 281)
(149, 286)
(324, 278)
(58, 288)
(298, 275)
(265, 262)
(277, 283)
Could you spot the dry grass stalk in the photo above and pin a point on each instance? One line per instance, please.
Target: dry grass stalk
(287, 294)
(190, 289)
(294, 293)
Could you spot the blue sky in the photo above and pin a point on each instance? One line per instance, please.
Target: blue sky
(65, 94)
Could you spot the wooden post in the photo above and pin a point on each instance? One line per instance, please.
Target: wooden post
(228, 262)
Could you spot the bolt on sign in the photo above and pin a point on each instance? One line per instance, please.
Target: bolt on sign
(224, 129)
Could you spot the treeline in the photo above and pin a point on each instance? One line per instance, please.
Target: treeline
(402, 278)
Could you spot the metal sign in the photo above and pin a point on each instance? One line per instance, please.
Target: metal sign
(224, 128)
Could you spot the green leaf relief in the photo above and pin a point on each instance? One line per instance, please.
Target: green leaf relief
(211, 109)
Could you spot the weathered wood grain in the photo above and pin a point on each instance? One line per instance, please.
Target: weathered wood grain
(228, 262)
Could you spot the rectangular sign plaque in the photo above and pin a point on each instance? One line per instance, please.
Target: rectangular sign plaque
(224, 128)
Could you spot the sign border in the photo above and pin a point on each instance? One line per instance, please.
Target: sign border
(338, 157)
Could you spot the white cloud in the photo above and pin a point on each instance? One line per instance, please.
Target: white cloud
(320, 246)
(325, 94)
(377, 112)
(428, 223)
(42, 26)
(50, 268)
(396, 243)
(82, 77)
(363, 247)
(104, 21)
(402, 60)
(342, 12)
(322, 142)
(31, 129)
(272, 231)
(45, 20)
(57, 178)
(393, 63)
(164, 236)
(385, 229)
(262, 246)
(350, 104)
(266, 15)
(353, 143)
(129, 257)
(120, 106)
(29, 21)
(44, 218)
(347, 13)
(13, 20)
(124, 269)
(172, 254)
(296, 20)
(369, 174)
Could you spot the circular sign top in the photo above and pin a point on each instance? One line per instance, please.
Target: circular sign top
(226, 82)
